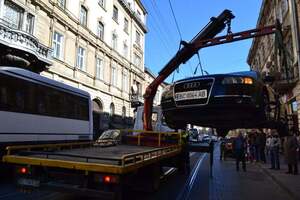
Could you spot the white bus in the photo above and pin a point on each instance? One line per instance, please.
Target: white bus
(35, 109)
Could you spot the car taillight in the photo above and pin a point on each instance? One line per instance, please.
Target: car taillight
(110, 179)
(106, 179)
(23, 170)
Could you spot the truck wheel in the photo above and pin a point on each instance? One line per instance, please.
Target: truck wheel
(184, 163)
(119, 192)
(156, 179)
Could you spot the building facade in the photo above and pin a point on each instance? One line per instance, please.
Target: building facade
(94, 45)
(149, 77)
(278, 54)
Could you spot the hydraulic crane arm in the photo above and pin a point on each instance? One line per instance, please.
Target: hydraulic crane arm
(215, 26)
(205, 38)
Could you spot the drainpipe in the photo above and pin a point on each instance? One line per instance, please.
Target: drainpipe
(295, 31)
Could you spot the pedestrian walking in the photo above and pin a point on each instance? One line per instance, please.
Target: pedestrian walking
(268, 145)
(257, 146)
(239, 147)
(298, 139)
(251, 139)
(262, 148)
(274, 148)
(290, 152)
(222, 149)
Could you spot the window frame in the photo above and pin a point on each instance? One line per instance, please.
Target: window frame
(17, 9)
(125, 81)
(137, 58)
(138, 38)
(112, 109)
(61, 4)
(100, 34)
(83, 18)
(102, 4)
(126, 25)
(114, 75)
(31, 24)
(81, 58)
(61, 49)
(125, 49)
(115, 13)
(99, 72)
(114, 41)
(123, 112)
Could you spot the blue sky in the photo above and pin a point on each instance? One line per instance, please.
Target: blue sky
(162, 40)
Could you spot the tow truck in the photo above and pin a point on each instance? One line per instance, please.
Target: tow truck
(137, 159)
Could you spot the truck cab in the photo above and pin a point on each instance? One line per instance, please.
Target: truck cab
(158, 120)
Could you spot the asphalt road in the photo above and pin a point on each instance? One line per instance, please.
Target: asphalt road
(174, 186)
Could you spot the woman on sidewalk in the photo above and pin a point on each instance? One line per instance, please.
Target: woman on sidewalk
(290, 152)
(268, 145)
(274, 147)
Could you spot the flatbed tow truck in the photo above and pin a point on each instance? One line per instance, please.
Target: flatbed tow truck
(97, 170)
(138, 161)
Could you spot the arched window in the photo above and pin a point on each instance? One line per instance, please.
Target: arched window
(123, 112)
(97, 106)
(112, 109)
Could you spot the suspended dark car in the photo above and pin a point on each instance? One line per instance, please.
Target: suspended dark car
(222, 101)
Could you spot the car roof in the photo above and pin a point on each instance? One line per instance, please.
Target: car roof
(253, 74)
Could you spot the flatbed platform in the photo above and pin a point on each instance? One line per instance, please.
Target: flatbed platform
(102, 155)
(114, 159)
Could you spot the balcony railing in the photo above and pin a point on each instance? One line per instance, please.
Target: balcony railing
(287, 79)
(136, 100)
(12, 36)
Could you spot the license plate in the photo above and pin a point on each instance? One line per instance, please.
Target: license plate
(29, 182)
(196, 94)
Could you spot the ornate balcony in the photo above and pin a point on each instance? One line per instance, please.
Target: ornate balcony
(136, 100)
(21, 49)
(286, 80)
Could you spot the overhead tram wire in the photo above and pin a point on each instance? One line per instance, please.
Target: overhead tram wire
(178, 29)
(156, 21)
(167, 48)
(177, 26)
(163, 21)
(159, 35)
(160, 31)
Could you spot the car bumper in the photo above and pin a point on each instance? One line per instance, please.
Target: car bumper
(220, 111)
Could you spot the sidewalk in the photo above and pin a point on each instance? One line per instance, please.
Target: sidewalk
(289, 183)
(255, 184)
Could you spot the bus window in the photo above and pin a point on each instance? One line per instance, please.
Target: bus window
(20, 100)
(3, 97)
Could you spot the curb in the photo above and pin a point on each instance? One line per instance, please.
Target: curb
(280, 184)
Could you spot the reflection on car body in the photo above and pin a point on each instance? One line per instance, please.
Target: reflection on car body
(222, 101)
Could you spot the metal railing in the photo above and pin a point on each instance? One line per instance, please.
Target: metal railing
(51, 152)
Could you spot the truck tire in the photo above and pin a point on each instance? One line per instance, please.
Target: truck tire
(184, 162)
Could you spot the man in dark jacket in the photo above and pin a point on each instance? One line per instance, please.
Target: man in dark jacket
(239, 147)
(290, 152)
(263, 146)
